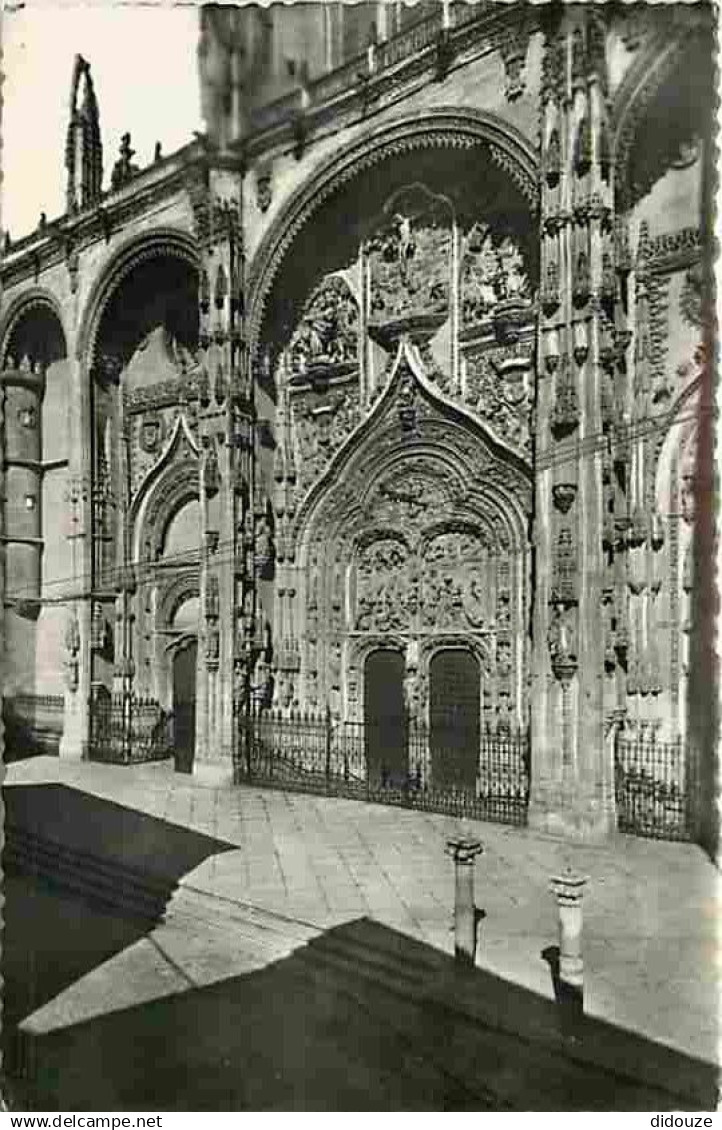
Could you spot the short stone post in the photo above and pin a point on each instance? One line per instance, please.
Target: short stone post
(463, 850)
(568, 891)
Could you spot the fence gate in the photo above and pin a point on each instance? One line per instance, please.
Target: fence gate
(320, 754)
(652, 787)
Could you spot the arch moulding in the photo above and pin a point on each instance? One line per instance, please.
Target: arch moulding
(638, 89)
(181, 588)
(444, 127)
(174, 488)
(35, 298)
(155, 244)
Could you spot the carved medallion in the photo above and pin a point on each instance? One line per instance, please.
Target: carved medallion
(498, 390)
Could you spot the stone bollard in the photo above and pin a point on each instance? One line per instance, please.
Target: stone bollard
(568, 890)
(463, 850)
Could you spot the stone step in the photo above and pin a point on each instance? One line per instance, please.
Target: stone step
(103, 881)
(201, 940)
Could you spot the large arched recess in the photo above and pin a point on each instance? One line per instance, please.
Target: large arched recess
(478, 147)
(164, 243)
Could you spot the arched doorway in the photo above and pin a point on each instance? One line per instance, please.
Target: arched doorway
(455, 718)
(385, 718)
(185, 660)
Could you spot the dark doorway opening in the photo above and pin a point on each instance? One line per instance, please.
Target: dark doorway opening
(455, 719)
(184, 704)
(385, 718)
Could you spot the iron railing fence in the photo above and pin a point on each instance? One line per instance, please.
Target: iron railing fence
(652, 787)
(125, 730)
(409, 766)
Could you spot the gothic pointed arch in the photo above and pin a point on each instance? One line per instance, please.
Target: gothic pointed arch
(445, 128)
(171, 482)
(395, 424)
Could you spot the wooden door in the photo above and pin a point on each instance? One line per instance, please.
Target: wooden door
(184, 705)
(385, 718)
(455, 719)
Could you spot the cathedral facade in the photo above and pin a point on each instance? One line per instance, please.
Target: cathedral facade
(365, 443)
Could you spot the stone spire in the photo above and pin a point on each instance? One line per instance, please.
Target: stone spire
(83, 147)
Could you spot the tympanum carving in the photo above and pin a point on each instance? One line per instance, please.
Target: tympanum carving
(409, 264)
(327, 335)
(440, 583)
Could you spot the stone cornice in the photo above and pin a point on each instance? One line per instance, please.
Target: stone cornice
(41, 250)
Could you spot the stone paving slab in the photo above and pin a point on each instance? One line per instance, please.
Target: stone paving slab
(652, 959)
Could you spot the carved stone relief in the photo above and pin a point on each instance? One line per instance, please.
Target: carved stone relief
(499, 391)
(327, 335)
(409, 263)
(400, 501)
(321, 423)
(493, 276)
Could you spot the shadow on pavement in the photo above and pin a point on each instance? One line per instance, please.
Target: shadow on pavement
(363, 1018)
(83, 879)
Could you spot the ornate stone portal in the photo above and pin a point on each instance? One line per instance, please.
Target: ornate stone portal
(402, 505)
(413, 539)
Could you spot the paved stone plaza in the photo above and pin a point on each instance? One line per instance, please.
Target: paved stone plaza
(306, 863)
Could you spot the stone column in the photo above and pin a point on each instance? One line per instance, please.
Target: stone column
(76, 728)
(216, 199)
(464, 850)
(568, 890)
(572, 783)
